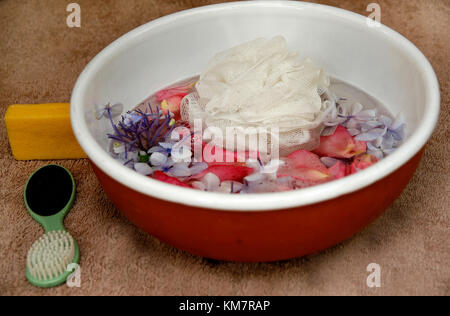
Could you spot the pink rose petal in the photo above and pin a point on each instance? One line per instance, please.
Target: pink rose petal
(180, 91)
(360, 147)
(161, 176)
(340, 145)
(304, 165)
(172, 105)
(362, 162)
(338, 170)
(306, 159)
(226, 172)
(216, 154)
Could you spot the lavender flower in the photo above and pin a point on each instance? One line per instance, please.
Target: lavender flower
(382, 134)
(164, 162)
(383, 139)
(265, 178)
(261, 171)
(138, 130)
(180, 151)
(349, 115)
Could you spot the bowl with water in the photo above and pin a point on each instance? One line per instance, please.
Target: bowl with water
(374, 66)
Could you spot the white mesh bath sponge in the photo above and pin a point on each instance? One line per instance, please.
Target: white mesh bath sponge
(261, 84)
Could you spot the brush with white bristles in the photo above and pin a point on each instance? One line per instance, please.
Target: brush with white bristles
(49, 256)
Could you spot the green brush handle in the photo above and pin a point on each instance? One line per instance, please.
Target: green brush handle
(50, 223)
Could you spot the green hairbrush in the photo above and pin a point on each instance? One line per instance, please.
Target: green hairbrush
(49, 194)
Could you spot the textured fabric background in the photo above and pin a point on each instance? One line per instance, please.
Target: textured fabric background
(40, 59)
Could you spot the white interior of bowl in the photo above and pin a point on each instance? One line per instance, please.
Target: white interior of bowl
(377, 60)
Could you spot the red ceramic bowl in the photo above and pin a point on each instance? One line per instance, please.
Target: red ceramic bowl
(257, 227)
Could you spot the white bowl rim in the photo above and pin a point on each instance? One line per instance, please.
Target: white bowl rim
(261, 201)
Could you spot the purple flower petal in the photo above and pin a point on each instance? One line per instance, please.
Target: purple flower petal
(286, 181)
(376, 153)
(399, 122)
(198, 167)
(389, 151)
(254, 164)
(354, 131)
(388, 142)
(377, 142)
(371, 135)
(126, 162)
(272, 166)
(236, 187)
(114, 110)
(132, 118)
(356, 108)
(180, 170)
(169, 163)
(386, 120)
(352, 124)
(181, 153)
(366, 115)
(230, 187)
(256, 177)
(371, 146)
(143, 168)
(367, 126)
(158, 159)
(128, 155)
(398, 134)
(211, 181)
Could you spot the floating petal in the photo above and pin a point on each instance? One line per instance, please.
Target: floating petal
(362, 162)
(155, 149)
(180, 91)
(231, 172)
(371, 135)
(211, 181)
(161, 176)
(216, 154)
(198, 167)
(158, 159)
(339, 145)
(181, 153)
(180, 170)
(305, 165)
(230, 187)
(172, 105)
(143, 168)
(366, 115)
(338, 170)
